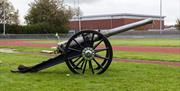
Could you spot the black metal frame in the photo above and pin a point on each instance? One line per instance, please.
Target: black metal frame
(73, 54)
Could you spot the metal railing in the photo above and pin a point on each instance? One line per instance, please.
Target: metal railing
(128, 34)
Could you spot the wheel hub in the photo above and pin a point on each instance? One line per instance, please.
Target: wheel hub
(88, 53)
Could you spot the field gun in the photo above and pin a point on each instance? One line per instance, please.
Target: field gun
(85, 48)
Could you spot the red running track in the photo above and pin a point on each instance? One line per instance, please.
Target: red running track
(24, 43)
(175, 50)
(148, 49)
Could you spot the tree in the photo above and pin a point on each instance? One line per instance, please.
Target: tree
(53, 12)
(77, 12)
(178, 24)
(11, 15)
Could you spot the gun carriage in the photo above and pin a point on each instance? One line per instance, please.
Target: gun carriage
(85, 49)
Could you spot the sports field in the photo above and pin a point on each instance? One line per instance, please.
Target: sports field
(138, 65)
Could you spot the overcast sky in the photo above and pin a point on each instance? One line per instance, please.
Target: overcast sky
(171, 8)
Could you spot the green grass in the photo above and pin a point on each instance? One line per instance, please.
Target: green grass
(153, 56)
(119, 77)
(43, 41)
(146, 42)
(128, 42)
(117, 54)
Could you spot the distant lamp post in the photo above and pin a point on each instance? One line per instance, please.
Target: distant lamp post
(79, 17)
(4, 16)
(161, 18)
(179, 9)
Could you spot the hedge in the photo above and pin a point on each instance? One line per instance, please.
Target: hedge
(178, 24)
(33, 29)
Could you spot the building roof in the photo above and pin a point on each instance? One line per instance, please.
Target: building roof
(117, 16)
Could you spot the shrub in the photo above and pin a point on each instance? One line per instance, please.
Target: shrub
(42, 28)
(1, 28)
(178, 24)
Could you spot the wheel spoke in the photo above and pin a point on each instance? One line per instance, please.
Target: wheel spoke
(78, 43)
(97, 44)
(92, 40)
(74, 49)
(76, 59)
(99, 65)
(91, 67)
(79, 63)
(74, 56)
(85, 41)
(86, 34)
(82, 65)
(98, 56)
(100, 50)
(84, 68)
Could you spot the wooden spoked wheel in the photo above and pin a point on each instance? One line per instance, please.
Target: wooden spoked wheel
(91, 51)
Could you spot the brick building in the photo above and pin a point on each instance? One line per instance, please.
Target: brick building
(109, 21)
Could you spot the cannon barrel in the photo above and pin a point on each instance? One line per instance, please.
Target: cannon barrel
(111, 32)
(125, 28)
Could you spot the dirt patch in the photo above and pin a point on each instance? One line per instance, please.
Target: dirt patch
(8, 50)
(149, 62)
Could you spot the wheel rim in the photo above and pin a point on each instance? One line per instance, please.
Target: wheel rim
(97, 53)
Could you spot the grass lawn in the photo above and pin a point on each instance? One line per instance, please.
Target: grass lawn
(153, 56)
(128, 42)
(43, 41)
(116, 54)
(146, 42)
(119, 77)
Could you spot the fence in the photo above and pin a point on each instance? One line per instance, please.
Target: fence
(128, 34)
